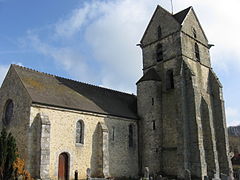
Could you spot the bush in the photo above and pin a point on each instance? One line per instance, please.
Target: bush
(8, 155)
(11, 165)
(19, 167)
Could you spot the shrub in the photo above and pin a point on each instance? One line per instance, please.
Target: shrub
(19, 167)
(11, 165)
(8, 154)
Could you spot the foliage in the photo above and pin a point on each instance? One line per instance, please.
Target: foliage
(11, 165)
(19, 167)
(8, 155)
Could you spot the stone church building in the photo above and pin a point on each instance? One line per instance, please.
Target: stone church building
(175, 123)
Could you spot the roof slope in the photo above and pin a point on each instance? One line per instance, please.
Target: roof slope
(151, 74)
(177, 17)
(60, 92)
(180, 16)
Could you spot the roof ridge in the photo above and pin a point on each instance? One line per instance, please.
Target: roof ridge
(52, 75)
(33, 70)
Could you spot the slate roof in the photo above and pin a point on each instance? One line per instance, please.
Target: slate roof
(61, 92)
(151, 74)
(180, 16)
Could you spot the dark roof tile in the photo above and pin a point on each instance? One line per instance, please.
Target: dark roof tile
(180, 16)
(61, 92)
(151, 74)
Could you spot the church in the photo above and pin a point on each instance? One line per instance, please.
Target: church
(175, 124)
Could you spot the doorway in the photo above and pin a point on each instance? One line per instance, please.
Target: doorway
(63, 166)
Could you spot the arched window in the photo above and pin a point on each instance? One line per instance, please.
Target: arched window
(159, 32)
(8, 112)
(159, 52)
(197, 55)
(169, 80)
(80, 132)
(130, 135)
(194, 33)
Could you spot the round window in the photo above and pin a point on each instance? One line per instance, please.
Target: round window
(8, 112)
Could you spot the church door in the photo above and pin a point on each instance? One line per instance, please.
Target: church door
(63, 167)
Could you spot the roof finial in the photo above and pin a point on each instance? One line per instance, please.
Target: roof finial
(172, 6)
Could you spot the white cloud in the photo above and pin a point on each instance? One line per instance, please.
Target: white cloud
(111, 29)
(233, 116)
(108, 32)
(113, 39)
(68, 27)
(3, 72)
(69, 59)
(220, 22)
(111, 35)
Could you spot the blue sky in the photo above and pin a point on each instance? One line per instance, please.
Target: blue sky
(95, 41)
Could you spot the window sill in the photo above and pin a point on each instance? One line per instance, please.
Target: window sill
(79, 144)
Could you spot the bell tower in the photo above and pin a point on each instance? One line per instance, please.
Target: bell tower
(182, 121)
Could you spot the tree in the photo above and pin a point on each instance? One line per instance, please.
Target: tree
(8, 155)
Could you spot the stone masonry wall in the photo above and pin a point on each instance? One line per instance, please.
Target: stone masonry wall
(123, 160)
(163, 19)
(162, 147)
(170, 118)
(149, 110)
(170, 38)
(203, 91)
(220, 126)
(187, 113)
(188, 41)
(13, 89)
(171, 48)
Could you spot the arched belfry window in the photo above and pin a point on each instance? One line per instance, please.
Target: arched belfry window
(159, 52)
(8, 112)
(159, 32)
(130, 135)
(194, 32)
(197, 54)
(169, 80)
(80, 132)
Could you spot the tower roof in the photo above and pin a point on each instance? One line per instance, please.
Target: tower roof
(176, 19)
(180, 16)
(151, 74)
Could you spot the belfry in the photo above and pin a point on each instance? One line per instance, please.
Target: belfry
(182, 118)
